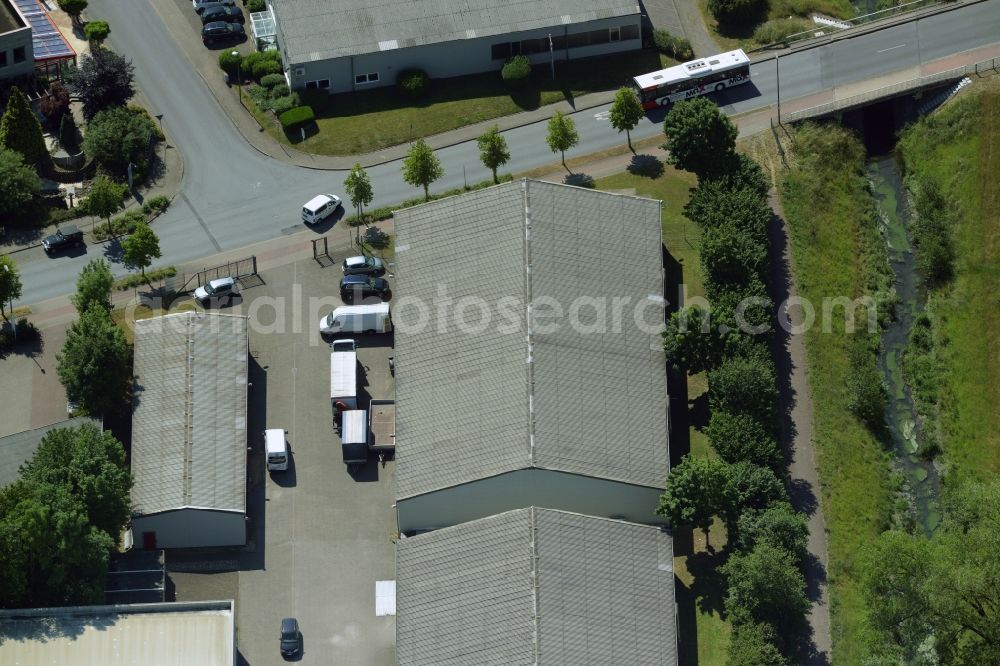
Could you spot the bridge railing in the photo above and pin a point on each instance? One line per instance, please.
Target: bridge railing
(892, 90)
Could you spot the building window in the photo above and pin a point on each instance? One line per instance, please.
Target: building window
(3, 58)
(321, 84)
(365, 78)
(616, 35)
(599, 37)
(19, 54)
(500, 51)
(630, 32)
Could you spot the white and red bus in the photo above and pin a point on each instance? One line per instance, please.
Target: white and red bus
(691, 79)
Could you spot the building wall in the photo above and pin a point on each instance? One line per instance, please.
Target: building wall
(191, 528)
(529, 487)
(15, 43)
(454, 58)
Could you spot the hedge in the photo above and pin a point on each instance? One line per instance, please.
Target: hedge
(516, 71)
(412, 83)
(295, 118)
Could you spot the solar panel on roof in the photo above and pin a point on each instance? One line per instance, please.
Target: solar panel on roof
(46, 40)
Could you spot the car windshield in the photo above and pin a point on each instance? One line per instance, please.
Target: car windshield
(370, 261)
(329, 319)
(209, 289)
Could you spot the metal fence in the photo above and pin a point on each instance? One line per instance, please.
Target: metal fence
(240, 268)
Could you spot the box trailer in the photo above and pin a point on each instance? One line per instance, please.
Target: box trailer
(354, 436)
(343, 374)
(382, 427)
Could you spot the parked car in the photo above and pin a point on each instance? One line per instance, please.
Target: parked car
(353, 287)
(291, 637)
(199, 5)
(319, 208)
(220, 12)
(216, 290)
(220, 31)
(363, 266)
(64, 237)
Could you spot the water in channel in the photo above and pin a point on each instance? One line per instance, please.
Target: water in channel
(922, 482)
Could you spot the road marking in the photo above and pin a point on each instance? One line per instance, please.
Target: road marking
(897, 46)
(204, 226)
(602, 115)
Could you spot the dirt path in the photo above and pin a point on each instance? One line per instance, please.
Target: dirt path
(796, 430)
(695, 30)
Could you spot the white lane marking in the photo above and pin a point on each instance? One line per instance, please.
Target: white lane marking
(898, 46)
(602, 115)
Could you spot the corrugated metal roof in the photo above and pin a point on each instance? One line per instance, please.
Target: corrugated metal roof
(536, 586)
(189, 427)
(470, 405)
(318, 30)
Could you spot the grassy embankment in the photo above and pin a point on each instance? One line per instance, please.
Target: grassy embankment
(959, 148)
(838, 251)
(696, 562)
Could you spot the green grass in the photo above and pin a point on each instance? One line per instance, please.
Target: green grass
(696, 563)
(825, 202)
(959, 147)
(728, 37)
(364, 121)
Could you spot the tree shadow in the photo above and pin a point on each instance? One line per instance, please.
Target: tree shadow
(698, 412)
(647, 166)
(113, 251)
(580, 180)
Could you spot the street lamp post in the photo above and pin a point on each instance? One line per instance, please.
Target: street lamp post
(239, 79)
(777, 78)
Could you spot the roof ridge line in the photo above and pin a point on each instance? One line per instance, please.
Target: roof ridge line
(528, 324)
(534, 581)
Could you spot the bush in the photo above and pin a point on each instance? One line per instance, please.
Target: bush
(271, 80)
(280, 90)
(122, 225)
(778, 29)
(516, 72)
(297, 117)
(260, 95)
(230, 63)
(412, 83)
(118, 136)
(282, 104)
(677, 48)
(262, 63)
(867, 394)
(743, 438)
(256, 6)
(142, 111)
(744, 386)
(738, 12)
(155, 205)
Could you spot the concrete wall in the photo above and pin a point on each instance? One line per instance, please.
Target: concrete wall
(454, 58)
(191, 528)
(11, 39)
(529, 487)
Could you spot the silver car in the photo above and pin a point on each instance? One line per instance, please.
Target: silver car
(216, 290)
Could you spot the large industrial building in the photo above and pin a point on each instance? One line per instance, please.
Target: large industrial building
(357, 44)
(189, 431)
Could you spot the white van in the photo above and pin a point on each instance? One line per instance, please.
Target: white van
(319, 208)
(277, 450)
(357, 319)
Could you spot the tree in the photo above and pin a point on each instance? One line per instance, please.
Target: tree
(715, 203)
(359, 188)
(74, 8)
(700, 138)
(10, 283)
(752, 644)
(743, 173)
(778, 525)
(92, 464)
(97, 31)
(118, 136)
(102, 80)
(751, 487)
(95, 363)
(376, 239)
(55, 104)
(562, 134)
(730, 256)
(690, 342)
(421, 167)
(738, 13)
(141, 247)
(744, 385)
(69, 135)
(696, 492)
(766, 586)
(93, 287)
(626, 112)
(20, 130)
(19, 185)
(741, 437)
(106, 197)
(493, 150)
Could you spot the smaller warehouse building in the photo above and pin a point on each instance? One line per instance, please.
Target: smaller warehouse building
(168, 634)
(537, 587)
(358, 44)
(189, 431)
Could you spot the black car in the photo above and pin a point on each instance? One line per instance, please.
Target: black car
(220, 12)
(64, 237)
(362, 286)
(200, 5)
(220, 31)
(291, 637)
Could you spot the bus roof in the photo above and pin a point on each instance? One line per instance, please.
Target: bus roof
(693, 70)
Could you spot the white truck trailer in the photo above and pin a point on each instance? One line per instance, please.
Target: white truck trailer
(343, 374)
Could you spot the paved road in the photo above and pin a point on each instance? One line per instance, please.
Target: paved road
(233, 195)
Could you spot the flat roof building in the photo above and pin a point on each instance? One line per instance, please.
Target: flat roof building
(169, 634)
(189, 430)
(537, 587)
(538, 378)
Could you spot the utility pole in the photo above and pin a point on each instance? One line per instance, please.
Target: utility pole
(777, 77)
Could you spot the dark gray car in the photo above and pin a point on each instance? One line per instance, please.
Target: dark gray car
(291, 637)
(220, 12)
(64, 238)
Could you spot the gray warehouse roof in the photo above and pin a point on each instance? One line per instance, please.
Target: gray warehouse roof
(589, 399)
(319, 29)
(536, 586)
(189, 427)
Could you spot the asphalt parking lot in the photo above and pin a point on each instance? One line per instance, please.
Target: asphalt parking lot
(321, 536)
